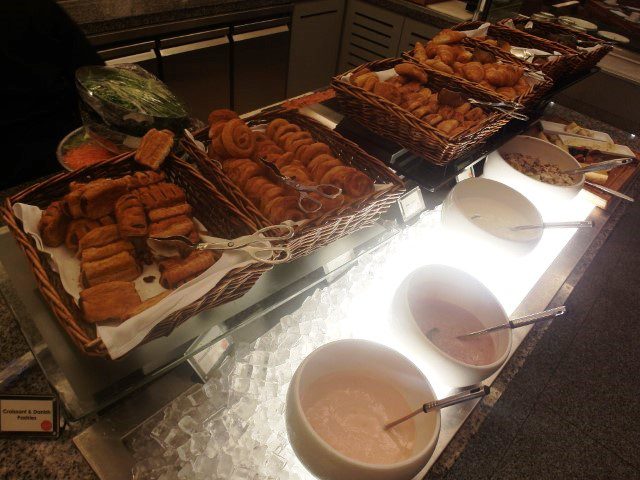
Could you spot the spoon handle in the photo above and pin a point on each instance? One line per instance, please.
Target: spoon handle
(610, 191)
(457, 398)
(537, 317)
(578, 224)
(596, 167)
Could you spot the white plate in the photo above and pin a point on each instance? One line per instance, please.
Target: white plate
(615, 37)
(582, 23)
(558, 129)
(592, 144)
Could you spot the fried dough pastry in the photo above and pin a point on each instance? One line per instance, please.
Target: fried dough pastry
(411, 71)
(130, 216)
(154, 148)
(447, 37)
(109, 301)
(53, 225)
(221, 115)
(177, 271)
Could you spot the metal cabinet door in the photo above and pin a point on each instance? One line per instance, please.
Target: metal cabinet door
(143, 54)
(370, 33)
(414, 31)
(315, 42)
(260, 63)
(197, 69)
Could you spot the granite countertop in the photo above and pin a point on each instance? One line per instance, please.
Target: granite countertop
(32, 459)
(103, 16)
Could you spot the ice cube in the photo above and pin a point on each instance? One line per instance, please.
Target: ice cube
(184, 451)
(259, 358)
(197, 398)
(224, 466)
(199, 442)
(213, 448)
(240, 385)
(245, 408)
(174, 438)
(188, 425)
(204, 465)
(186, 473)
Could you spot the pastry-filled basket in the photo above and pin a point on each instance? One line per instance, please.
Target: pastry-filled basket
(215, 213)
(396, 122)
(331, 223)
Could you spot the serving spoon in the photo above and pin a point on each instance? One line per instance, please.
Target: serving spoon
(465, 396)
(596, 167)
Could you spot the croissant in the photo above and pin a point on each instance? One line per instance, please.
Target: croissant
(446, 126)
(420, 53)
(411, 71)
(474, 72)
(507, 92)
(447, 54)
(440, 66)
(389, 91)
(447, 36)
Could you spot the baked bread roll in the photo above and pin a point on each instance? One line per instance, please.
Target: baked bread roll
(177, 271)
(109, 301)
(53, 225)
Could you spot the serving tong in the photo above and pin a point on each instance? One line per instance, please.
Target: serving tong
(508, 108)
(520, 322)
(306, 202)
(255, 245)
(596, 167)
(464, 396)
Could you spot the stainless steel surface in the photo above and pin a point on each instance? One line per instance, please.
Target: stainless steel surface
(476, 392)
(610, 191)
(596, 167)
(520, 322)
(579, 224)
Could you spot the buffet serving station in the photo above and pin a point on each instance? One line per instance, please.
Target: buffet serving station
(206, 396)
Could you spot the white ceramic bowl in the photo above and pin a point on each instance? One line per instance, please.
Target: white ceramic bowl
(483, 211)
(454, 286)
(540, 193)
(318, 456)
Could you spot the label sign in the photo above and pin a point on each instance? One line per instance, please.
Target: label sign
(411, 204)
(29, 416)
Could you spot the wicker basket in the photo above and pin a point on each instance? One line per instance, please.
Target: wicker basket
(556, 69)
(530, 99)
(217, 214)
(333, 224)
(397, 124)
(585, 59)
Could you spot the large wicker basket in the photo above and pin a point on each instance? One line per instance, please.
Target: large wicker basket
(530, 99)
(556, 69)
(217, 214)
(333, 224)
(399, 125)
(585, 59)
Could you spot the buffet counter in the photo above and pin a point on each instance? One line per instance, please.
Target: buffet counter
(382, 256)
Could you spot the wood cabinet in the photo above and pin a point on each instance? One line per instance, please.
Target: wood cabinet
(196, 68)
(143, 54)
(315, 43)
(370, 33)
(260, 63)
(414, 31)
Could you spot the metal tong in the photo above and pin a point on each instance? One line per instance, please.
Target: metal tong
(306, 202)
(256, 245)
(444, 402)
(520, 322)
(508, 108)
(595, 167)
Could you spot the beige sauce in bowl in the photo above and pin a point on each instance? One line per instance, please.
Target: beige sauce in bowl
(349, 410)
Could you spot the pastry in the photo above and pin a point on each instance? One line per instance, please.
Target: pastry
(98, 198)
(150, 302)
(447, 37)
(388, 91)
(108, 301)
(237, 139)
(167, 212)
(130, 216)
(282, 208)
(177, 271)
(352, 182)
(99, 237)
(412, 71)
(121, 266)
(53, 225)
(474, 72)
(78, 228)
(92, 254)
(154, 148)
(420, 53)
(446, 126)
(221, 115)
(160, 195)
(309, 152)
(175, 226)
(143, 179)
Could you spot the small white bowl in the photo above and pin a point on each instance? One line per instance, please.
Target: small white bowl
(484, 211)
(540, 193)
(321, 459)
(453, 286)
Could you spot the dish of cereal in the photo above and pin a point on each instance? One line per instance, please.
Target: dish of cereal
(544, 172)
